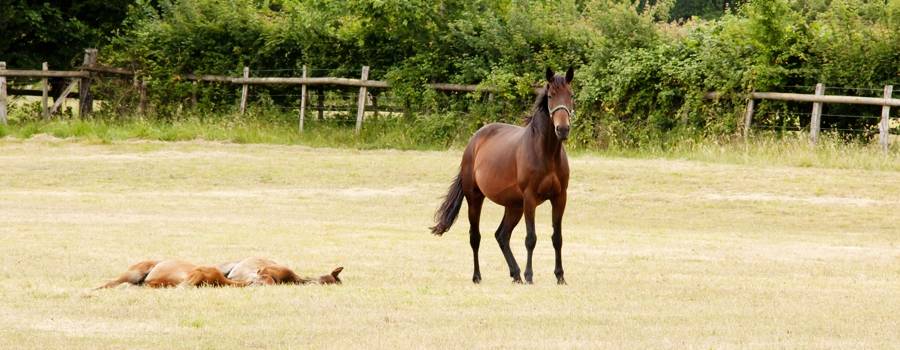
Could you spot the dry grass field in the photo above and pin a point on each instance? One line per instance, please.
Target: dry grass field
(658, 253)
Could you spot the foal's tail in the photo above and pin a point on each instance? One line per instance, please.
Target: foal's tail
(449, 210)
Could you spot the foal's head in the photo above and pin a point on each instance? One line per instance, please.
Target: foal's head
(270, 275)
(332, 278)
(560, 104)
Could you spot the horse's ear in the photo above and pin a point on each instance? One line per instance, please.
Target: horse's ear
(550, 74)
(570, 74)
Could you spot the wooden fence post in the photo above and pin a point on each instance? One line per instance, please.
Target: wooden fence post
(45, 90)
(884, 130)
(303, 101)
(320, 103)
(2, 94)
(375, 104)
(86, 100)
(361, 105)
(748, 117)
(142, 101)
(194, 94)
(244, 91)
(352, 106)
(136, 85)
(816, 119)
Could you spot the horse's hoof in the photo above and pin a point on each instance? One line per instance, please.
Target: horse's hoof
(476, 279)
(517, 280)
(561, 281)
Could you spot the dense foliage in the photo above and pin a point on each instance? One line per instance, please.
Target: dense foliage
(57, 32)
(642, 68)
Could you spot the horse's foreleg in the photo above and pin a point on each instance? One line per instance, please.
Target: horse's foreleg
(559, 207)
(511, 218)
(530, 235)
(475, 201)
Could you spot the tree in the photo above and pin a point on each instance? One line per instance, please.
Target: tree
(57, 32)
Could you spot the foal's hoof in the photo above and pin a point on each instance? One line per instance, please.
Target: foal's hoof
(517, 280)
(561, 281)
(476, 279)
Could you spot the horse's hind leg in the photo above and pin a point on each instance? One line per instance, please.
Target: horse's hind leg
(511, 218)
(475, 200)
(134, 275)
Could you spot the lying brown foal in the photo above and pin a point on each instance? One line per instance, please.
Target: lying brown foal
(264, 271)
(172, 273)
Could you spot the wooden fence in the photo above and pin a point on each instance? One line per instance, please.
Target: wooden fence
(818, 99)
(363, 83)
(80, 78)
(90, 69)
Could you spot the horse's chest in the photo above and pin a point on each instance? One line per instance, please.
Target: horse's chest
(547, 187)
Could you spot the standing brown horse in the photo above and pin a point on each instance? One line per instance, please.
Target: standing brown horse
(518, 168)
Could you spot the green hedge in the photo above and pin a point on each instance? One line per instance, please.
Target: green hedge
(640, 77)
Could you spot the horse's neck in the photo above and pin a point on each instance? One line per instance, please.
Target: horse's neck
(543, 137)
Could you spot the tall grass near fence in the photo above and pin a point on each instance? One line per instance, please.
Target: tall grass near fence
(442, 131)
(437, 131)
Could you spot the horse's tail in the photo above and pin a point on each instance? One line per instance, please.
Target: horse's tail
(449, 210)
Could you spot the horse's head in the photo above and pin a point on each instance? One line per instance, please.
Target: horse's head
(332, 278)
(263, 280)
(559, 101)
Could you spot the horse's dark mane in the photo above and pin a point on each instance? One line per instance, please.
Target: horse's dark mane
(538, 107)
(540, 102)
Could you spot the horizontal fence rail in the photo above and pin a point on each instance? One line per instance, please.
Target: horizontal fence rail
(783, 96)
(818, 99)
(853, 100)
(81, 78)
(329, 81)
(43, 73)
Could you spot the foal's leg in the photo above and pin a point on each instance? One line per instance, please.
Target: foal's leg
(209, 276)
(511, 218)
(559, 207)
(134, 275)
(475, 201)
(530, 235)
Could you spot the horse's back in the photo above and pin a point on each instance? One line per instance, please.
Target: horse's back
(169, 273)
(496, 132)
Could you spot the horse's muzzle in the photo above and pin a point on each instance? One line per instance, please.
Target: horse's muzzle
(562, 132)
